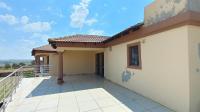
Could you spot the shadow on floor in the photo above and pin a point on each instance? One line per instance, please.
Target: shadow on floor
(130, 99)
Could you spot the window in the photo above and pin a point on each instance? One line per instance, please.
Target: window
(134, 56)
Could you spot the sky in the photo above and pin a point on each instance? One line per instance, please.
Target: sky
(26, 24)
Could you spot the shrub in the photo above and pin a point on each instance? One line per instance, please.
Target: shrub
(7, 66)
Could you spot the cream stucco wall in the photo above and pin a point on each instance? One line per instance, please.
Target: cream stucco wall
(194, 5)
(194, 54)
(164, 74)
(162, 9)
(53, 62)
(78, 62)
(74, 62)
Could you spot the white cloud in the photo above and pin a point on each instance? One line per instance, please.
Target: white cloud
(79, 15)
(44, 37)
(39, 37)
(24, 23)
(9, 19)
(24, 20)
(55, 11)
(91, 21)
(4, 6)
(96, 32)
(37, 27)
(28, 42)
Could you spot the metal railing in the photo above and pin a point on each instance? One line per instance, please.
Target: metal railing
(8, 86)
(42, 70)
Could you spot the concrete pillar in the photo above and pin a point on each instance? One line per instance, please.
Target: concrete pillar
(37, 60)
(60, 68)
(37, 65)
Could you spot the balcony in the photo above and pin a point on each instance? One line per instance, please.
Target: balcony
(79, 93)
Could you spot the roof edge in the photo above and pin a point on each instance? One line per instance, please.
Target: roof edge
(140, 31)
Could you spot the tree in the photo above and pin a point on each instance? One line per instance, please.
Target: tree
(7, 66)
(15, 66)
(33, 62)
(22, 64)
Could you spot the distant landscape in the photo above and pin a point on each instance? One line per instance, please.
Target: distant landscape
(12, 61)
(8, 66)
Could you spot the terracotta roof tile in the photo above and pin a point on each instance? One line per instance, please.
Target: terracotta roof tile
(81, 38)
(45, 48)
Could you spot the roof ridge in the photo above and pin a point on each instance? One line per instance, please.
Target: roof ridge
(80, 38)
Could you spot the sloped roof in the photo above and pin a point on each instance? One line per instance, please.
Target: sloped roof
(80, 39)
(45, 48)
(126, 31)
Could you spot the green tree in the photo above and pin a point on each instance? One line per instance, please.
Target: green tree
(7, 66)
(15, 66)
(22, 64)
(33, 62)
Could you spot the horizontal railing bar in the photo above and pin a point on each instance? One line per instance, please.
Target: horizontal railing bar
(10, 74)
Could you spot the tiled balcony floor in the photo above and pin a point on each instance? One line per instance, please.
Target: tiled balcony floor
(84, 93)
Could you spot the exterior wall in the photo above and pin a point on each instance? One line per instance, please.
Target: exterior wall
(45, 60)
(79, 62)
(194, 54)
(194, 5)
(53, 61)
(164, 76)
(76, 60)
(162, 9)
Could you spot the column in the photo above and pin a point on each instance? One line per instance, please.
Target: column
(37, 65)
(60, 68)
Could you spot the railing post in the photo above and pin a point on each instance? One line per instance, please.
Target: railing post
(15, 76)
(4, 90)
(4, 96)
(11, 82)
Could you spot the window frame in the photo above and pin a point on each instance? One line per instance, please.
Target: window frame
(129, 46)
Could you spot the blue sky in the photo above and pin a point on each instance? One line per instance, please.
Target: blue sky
(25, 24)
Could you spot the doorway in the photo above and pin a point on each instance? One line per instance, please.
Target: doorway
(100, 64)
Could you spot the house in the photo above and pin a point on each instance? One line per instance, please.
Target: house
(160, 55)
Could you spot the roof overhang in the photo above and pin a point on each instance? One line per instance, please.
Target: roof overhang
(77, 44)
(137, 31)
(34, 52)
(182, 19)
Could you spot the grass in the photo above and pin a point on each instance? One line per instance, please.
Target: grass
(8, 84)
(27, 73)
(3, 70)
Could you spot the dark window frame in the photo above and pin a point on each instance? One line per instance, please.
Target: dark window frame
(129, 53)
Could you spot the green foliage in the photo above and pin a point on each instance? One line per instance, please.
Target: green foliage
(28, 74)
(33, 62)
(15, 66)
(22, 64)
(7, 66)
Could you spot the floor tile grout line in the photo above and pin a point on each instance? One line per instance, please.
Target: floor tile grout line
(75, 97)
(38, 104)
(80, 81)
(96, 102)
(58, 102)
(34, 81)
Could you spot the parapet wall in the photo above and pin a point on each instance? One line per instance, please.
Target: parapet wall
(161, 10)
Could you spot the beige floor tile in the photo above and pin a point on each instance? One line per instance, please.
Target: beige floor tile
(116, 108)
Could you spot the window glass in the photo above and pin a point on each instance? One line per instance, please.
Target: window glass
(134, 56)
